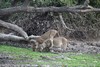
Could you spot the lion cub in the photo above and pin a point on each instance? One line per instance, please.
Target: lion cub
(47, 35)
(59, 45)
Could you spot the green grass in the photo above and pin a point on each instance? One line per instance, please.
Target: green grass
(71, 59)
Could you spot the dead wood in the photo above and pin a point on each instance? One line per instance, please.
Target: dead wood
(17, 9)
(9, 37)
(14, 28)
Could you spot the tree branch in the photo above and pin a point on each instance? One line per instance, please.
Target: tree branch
(86, 3)
(33, 37)
(63, 23)
(9, 37)
(14, 28)
(18, 9)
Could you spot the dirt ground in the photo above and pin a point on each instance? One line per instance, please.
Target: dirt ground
(84, 47)
(74, 46)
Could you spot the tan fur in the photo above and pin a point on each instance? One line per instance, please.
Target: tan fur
(59, 44)
(47, 35)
